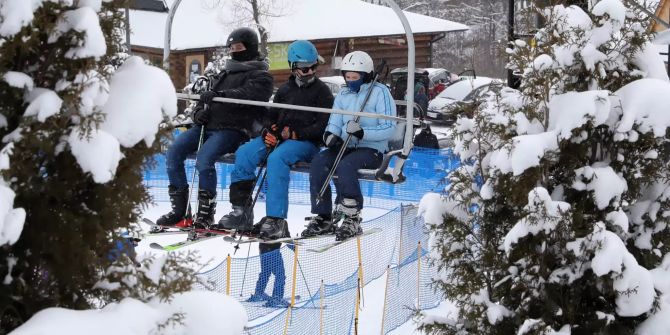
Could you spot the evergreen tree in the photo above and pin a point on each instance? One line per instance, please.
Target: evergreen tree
(56, 60)
(559, 215)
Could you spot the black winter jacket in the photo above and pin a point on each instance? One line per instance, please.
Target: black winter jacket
(308, 126)
(250, 83)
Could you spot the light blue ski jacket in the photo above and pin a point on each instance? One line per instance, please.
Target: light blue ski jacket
(376, 132)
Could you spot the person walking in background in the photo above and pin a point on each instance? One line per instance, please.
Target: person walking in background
(294, 136)
(421, 97)
(225, 127)
(369, 142)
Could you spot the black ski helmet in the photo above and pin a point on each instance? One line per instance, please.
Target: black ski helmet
(244, 35)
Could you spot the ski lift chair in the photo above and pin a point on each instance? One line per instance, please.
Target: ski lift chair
(383, 173)
(400, 145)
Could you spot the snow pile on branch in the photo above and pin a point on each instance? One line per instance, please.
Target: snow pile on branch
(202, 314)
(643, 103)
(19, 80)
(544, 215)
(140, 97)
(11, 219)
(633, 282)
(83, 20)
(16, 14)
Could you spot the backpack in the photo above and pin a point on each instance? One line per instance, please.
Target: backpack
(426, 139)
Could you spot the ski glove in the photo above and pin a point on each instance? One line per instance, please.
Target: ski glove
(354, 128)
(288, 134)
(201, 116)
(207, 97)
(332, 141)
(270, 139)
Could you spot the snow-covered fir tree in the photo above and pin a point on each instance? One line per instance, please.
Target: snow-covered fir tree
(557, 221)
(76, 134)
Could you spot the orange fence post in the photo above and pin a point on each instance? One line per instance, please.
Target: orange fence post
(388, 273)
(228, 275)
(295, 271)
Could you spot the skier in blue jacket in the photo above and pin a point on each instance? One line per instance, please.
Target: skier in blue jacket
(365, 150)
(294, 136)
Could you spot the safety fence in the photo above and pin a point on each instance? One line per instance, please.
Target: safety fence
(425, 171)
(324, 285)
(321, 285)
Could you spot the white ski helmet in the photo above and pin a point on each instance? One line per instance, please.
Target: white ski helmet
(357, 61)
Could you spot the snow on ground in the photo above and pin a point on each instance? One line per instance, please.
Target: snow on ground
(140, 318)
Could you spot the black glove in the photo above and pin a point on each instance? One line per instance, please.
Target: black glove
(354, 129)
(332, 141)
(201, 116)
(206, 97)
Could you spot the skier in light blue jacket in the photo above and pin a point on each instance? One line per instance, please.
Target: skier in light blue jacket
(365, 150)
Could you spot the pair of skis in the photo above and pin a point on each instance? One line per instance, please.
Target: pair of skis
(198, 235)
(300, 240)
(230, 236)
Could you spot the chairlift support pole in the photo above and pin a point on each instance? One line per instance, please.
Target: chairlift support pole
(409, 130)
(168, 35)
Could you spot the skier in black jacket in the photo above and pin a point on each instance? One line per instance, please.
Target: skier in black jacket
(299, 133)
(226, 127)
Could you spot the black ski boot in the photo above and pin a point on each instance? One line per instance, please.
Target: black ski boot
(179, 203)
(318, 225)
(204, 219)
(240, 219)
(350, 215)
(273, 228)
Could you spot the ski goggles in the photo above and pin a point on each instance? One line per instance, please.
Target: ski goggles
(304, 67)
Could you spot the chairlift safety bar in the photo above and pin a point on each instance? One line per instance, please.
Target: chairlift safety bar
(185, 96)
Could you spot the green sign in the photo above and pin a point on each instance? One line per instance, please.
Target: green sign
(278, 56)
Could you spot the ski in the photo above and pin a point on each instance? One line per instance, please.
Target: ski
(170, 230)
(180, 244)
(288, 240)
(330, 245)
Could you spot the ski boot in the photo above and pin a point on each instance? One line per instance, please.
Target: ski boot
(204, 219)
(273, 228)
(350, 215)
(318, 225)
(240, 219)
(256, 297)
(180, 215)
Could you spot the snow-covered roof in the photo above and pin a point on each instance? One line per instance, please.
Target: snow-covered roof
(196, 26)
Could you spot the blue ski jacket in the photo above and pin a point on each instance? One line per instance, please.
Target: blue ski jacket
(376, 132)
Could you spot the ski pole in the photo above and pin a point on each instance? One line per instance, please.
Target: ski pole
(246, 263)
(190, 188)
(264, 170)
(307, 286)
(340, 153)
(207, 81)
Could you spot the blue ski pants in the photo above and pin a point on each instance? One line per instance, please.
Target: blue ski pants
(215, 144)
(271, 263)
(346, 184)
(279, 162)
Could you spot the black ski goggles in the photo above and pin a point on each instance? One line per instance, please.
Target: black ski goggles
(304, 69)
